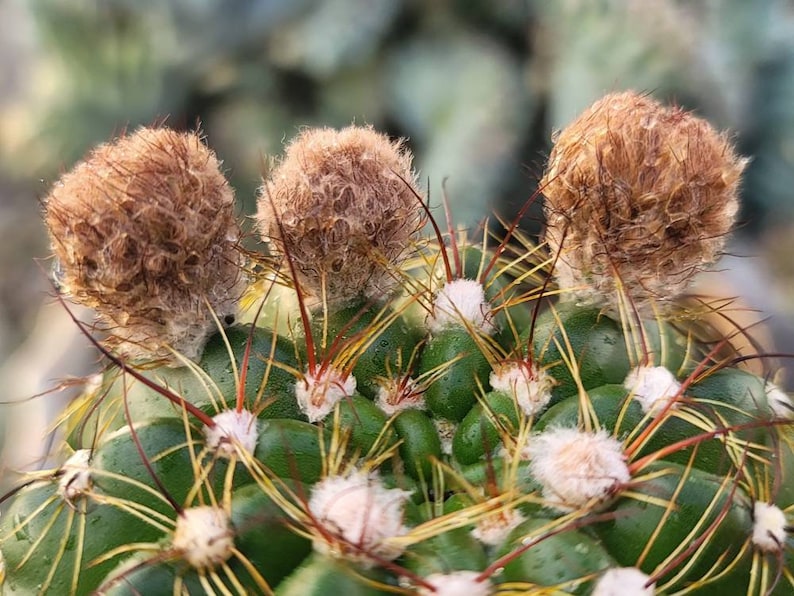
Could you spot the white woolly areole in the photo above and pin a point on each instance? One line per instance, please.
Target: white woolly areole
(494, 529)
(400, 394)
(460, 303)
(653, 387)
(361, 513)
(446, 430)
(769, 527)
(203, 536)
(93, 384)
(530, 386)
(232, 429)
(318, 394)
(75, 479)
(624, 581)
(457, 583)
(576, 467)
(779, 401)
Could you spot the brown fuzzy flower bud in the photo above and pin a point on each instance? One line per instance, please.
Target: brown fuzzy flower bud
(639, 196)
(342, 205)
(145, 233)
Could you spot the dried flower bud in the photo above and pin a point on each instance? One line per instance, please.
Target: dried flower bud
(639, 196)
(145, 233)
(343, 205)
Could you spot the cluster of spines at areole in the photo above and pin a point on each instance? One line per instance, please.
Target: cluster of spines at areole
(363, 410)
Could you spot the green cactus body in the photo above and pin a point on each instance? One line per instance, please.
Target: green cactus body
(465, 373)
(569, 560)
(49, 546)
(684, 526)
(270, 376)
(604, 446)
(292, 449)
(420, 444)
(596, 348)
(322, 575)
(390, 338)
(262, 535)
(478, 432)
(712, 508)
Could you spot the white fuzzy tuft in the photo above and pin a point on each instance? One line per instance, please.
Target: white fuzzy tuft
(362, 515)
(203, 536)
(397, 395)
(456, 583)
(530, 386)
(75, 479)
(653, 387)
(318, 394)
(576, 467)
(446, 430)
(779, 402)
(624, 581)
(769, 527)
(460, 303)
(232, 429)
(494, 529)
(93, 384)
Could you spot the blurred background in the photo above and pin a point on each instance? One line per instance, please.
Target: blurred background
(477, 86)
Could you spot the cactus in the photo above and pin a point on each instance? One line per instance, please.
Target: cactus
(388, 413)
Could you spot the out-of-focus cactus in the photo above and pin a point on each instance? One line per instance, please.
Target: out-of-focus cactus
(471, 117)
(443, 416)
(590, 47)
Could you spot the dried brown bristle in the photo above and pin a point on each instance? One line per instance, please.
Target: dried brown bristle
(343, 205)
(145, 233)
(641, 193)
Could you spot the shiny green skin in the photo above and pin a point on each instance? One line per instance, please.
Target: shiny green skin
(636, 523)
(738, 389)
(452, 395)
(390, 350)
(106, 527)
(494, 470)
(559, 559)
(267, 348)
(365, 423)
(261, 534)
(277, 399)
(599, 345)
(453, 550)
(727, 398)
(619, 414)
(163, 443)
(420, 444)
(140, 575)
(320, 576)
(118, 473)
(477, 434)
(292, 449)
(748, 393)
